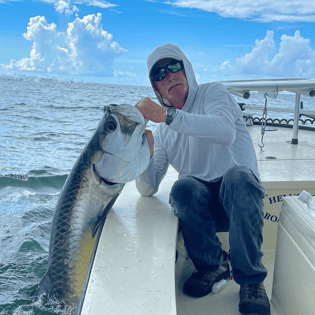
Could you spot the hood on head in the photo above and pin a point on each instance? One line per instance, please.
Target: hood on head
(172, 51)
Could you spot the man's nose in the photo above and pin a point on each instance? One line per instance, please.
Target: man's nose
(170, 76)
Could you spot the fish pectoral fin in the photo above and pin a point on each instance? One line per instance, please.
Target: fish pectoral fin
(102, 216)
(97, 226)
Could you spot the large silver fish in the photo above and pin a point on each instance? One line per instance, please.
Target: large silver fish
(118, 152)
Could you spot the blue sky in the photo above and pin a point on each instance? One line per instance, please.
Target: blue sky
(102, 41)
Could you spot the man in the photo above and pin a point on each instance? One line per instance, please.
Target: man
(201, 133)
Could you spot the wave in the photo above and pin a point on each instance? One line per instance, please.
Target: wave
(32, 182)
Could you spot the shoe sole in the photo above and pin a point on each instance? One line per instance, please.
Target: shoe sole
(255, 310)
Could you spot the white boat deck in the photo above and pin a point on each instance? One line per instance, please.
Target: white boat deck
(133, 272)
(292, 163)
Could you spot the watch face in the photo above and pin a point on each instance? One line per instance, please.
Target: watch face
(171, 111)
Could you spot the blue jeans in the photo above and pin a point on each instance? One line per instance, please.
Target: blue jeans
(232, 203)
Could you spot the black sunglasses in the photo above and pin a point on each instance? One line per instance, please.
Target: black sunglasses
(159, 73)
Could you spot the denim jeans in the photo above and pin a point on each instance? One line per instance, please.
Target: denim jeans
(232, 203)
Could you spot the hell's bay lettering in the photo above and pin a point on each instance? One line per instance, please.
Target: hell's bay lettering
(273, 218)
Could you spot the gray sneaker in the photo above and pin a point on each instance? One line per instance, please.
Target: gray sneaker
(254, 300)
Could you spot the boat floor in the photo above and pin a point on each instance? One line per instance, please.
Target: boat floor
(281, 161)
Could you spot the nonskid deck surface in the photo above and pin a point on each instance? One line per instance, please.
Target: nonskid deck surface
(279, 160)
(134, 270)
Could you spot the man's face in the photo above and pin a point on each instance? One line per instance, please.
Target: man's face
(173, 87)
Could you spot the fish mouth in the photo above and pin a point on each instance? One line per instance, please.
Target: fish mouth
(107, 182)
(130, 112)
(101, 179)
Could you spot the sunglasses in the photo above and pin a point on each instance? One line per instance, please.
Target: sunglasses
(159, 73)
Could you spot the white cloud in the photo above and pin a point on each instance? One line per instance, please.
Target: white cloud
(294, 58)
(261, 10)
(125, 75)
(7, 1)
(96, 3)
(65, 7)
(85, 48)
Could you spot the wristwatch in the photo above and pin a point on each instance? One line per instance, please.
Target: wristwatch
(170, 114)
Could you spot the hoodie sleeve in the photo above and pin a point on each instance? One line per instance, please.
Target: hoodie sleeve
(149, 181)
(216, 123)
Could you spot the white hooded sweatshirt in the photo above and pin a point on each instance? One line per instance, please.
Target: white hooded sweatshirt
(206, 138)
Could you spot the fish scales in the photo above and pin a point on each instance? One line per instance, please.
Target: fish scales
(88, 194)
(72, 221)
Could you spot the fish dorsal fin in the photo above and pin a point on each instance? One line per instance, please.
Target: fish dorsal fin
(102, 216)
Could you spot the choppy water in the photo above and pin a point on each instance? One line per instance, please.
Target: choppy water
(44, 125)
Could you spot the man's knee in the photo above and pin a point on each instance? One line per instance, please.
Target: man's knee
(242, 192)
(241, 179)
(183, 190)
(238, 175)
(189, 195)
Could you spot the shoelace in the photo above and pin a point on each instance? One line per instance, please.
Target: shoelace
(255, 291)
(210, 275)
(199, 274)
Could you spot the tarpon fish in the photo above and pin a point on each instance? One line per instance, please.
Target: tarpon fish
(118, 152)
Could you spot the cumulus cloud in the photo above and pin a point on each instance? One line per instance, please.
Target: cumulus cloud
(85, 48)
(261, 10)
(125, 75)
(65, 7)
(294, 57)
(96, 3)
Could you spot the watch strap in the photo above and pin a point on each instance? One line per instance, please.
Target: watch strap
(170, 114)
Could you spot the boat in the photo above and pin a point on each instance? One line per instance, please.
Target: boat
(140, 263)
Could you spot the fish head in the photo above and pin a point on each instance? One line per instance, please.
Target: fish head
(125, 150)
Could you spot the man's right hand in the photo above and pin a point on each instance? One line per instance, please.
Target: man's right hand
(150, 139)
(151, 110)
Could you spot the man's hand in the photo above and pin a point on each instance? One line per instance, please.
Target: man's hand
(150, 139)
(151, 111)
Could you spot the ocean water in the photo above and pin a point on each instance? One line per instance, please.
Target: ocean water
(44, 125)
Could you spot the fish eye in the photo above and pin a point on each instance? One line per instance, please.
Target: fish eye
(110, 126)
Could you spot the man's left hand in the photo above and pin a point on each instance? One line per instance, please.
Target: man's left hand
(151, 111)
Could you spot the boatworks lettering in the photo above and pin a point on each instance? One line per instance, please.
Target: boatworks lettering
(271, 217)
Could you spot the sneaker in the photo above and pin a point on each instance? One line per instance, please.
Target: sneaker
(254, 300)
(202, 280)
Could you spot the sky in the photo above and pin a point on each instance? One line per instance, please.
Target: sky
(109, 41)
